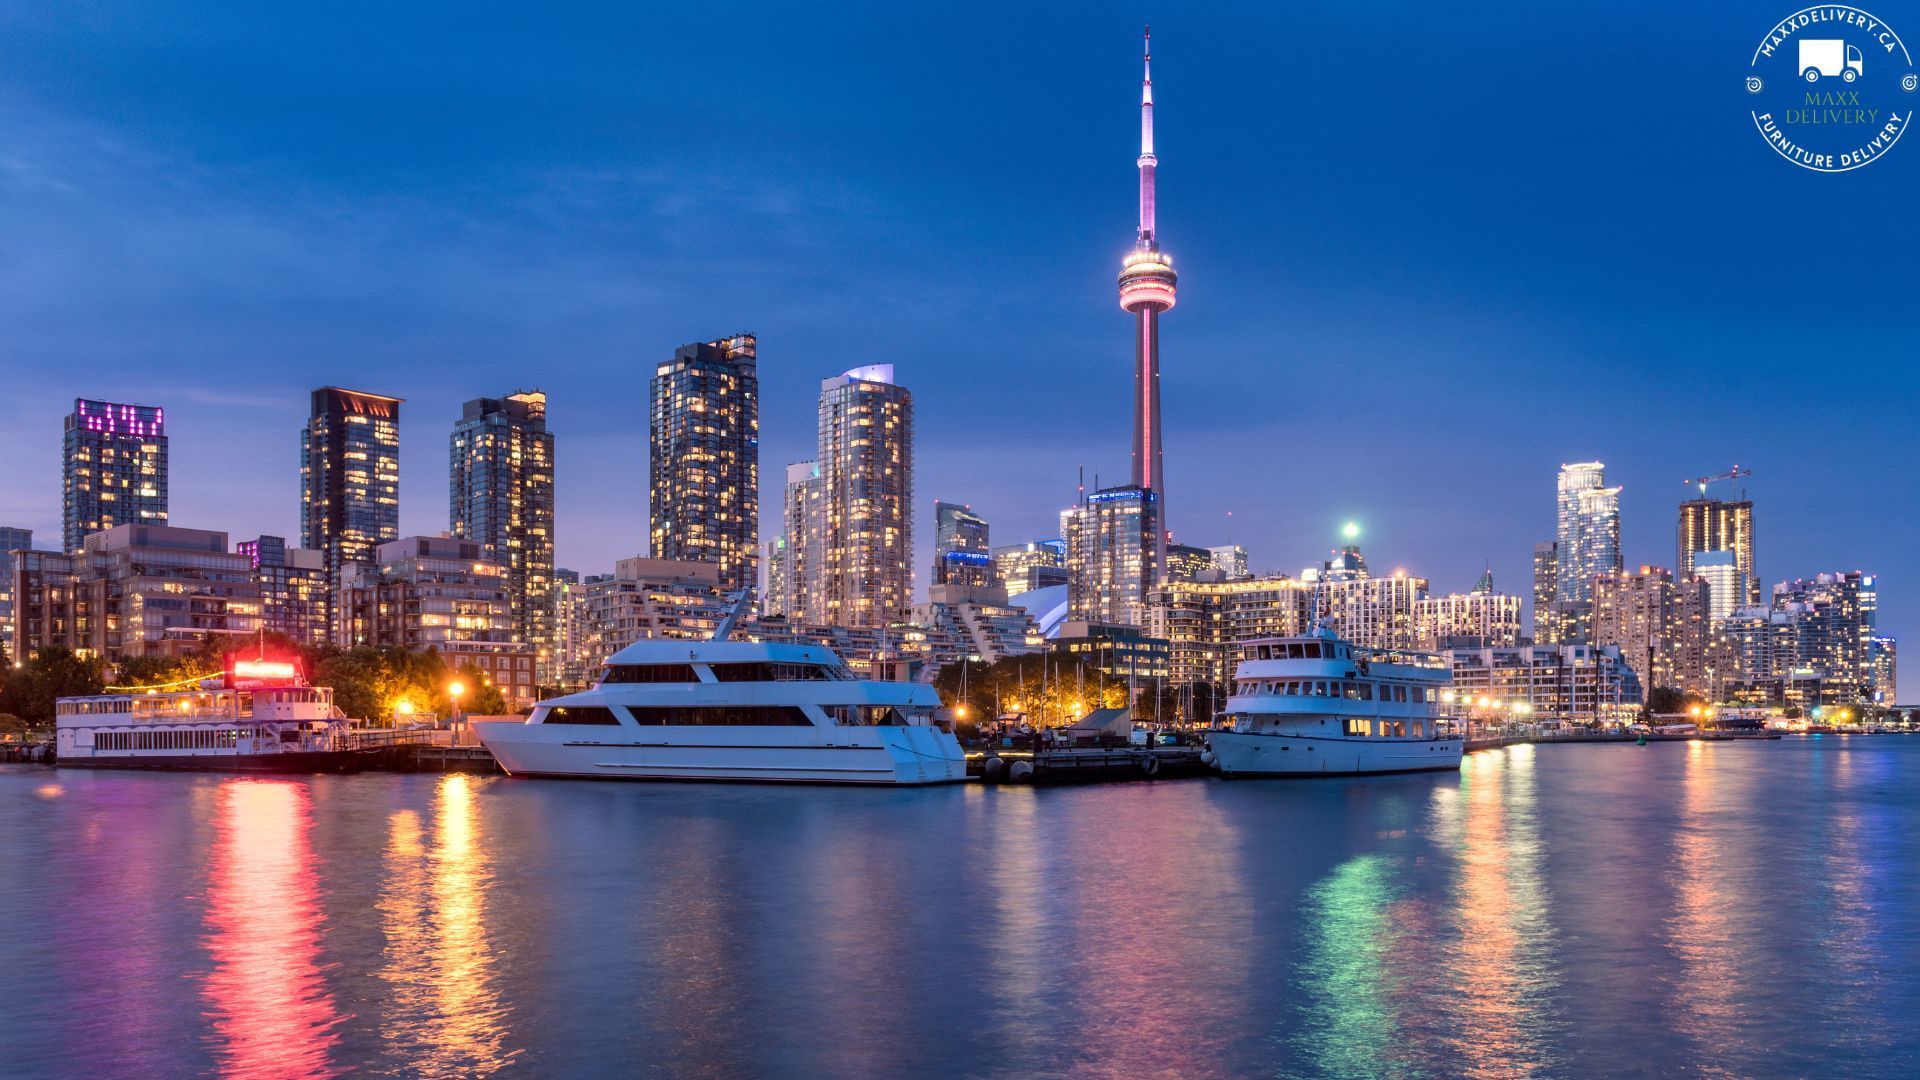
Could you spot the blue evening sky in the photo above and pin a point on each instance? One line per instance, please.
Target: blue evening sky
(1427, 253)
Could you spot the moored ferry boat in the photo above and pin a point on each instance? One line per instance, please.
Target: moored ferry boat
(259, 717)
(732, 710)
(1317, 705)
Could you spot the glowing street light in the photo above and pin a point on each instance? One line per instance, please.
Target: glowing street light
(1351, 530)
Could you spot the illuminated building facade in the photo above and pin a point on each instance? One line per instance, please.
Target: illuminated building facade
(575, 666)
(1110, 555)
(961, 552)
(113, 469)
(1580, 684)
(1372, 612)
(776, 584)
(350, 476)
(1726, 591)
(11, 540)
(1589, 531)
(1036, 564)
(1204, 623)
(295, 589)
(652, 598)
(1719, 525)
(1231, 562)
(802, 581)
(704, 483)
(441, 593)
(1660, 626)
(1466, 620)
(1187, 563)
(1884, 664)
(134, 590)
(1120, 651)
(500, 494)
(866, 476)
(1546, 577)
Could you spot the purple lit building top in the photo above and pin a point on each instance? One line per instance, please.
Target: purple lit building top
(113, 418)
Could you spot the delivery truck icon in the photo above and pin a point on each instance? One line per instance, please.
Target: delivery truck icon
(1829, 57)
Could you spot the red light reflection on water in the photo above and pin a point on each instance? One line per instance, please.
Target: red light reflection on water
(266, 996)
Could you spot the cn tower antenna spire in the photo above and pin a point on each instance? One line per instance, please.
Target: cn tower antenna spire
(1147, 160)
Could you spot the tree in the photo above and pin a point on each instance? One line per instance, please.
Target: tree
(1053, 689)
(30, 689)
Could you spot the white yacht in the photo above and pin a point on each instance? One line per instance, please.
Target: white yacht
(1317, 705)
(260, 717)
(732, 710)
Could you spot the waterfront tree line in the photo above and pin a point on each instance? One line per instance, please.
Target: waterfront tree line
(383, 685)
(1056, 689)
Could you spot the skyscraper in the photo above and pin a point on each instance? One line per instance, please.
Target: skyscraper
(1109, 551)
(1719, 525)
(113, 469)
(704, 481)
(1721, 571)
(961, 554)
(866, 476)
(1147, 290)
(500, 493)
(806, 526)
(11, 540)
(1589, 530)
(350, 476)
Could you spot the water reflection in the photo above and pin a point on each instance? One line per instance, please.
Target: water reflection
(1350, 1019)
(445, 1016)
(271, 1013)
(1499, 964)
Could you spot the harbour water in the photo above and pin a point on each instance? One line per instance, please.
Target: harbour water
(1739, 909)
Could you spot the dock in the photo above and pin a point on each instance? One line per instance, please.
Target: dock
(1086, 764)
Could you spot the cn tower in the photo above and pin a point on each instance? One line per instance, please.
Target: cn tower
(1146, 290)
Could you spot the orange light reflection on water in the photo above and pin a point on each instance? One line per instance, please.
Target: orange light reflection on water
(271, 1012)
(445, 1017)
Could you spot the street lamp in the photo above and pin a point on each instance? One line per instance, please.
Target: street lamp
(454, 690)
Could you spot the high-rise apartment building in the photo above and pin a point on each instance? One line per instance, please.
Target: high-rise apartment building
(1582, 684)
(1546, 589)
(802, 580)
(1660, 626)
(1372, 612)
(11, 540)
(1726, 590)
(1111, 556)
(1589, 530)
(295, 589)
(500, 494)
(113, 469)
(866, 475)
(350, 475)
(961, 552)
(576, 664)
(644, 599)
(704, 481)
(1719, 525)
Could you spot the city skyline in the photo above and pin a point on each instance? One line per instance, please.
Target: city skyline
(1441, 495)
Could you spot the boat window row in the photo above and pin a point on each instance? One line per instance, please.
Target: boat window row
(1385, 729)
(650, 673)
(1296, 650)
(193, 739)
(1337, 688)
(768, 671)
(682, 715)
(105, 707)
(866, 715)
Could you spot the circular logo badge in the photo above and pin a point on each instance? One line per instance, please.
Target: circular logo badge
(1832, 88)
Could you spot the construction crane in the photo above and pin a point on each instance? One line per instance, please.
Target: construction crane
(1729, 476)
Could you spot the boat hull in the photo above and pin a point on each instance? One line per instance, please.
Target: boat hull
(1246, 754)
(864, 755)
(297, 761)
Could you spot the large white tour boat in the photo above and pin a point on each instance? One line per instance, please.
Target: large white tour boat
(732, 710)
(1317, 705)
(259, 717)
